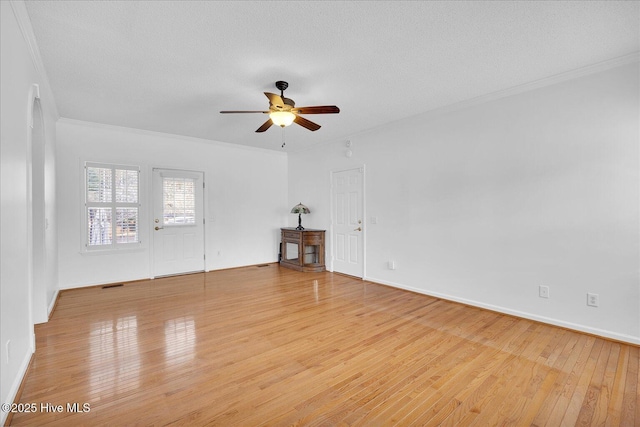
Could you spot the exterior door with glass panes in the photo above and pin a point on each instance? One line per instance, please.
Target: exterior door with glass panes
(178, 222)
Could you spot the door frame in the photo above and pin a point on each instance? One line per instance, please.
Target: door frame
(363, 170)
(38, 213)
(151, 213)
(33, 294)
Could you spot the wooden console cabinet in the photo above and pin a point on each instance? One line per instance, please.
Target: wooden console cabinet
(302, 250)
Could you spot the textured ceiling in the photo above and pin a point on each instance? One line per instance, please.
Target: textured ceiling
(171, 66)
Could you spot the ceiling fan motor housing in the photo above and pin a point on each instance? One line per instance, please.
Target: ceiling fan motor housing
(282, 85)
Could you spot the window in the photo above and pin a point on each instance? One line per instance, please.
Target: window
(178, 201)
(112, 206)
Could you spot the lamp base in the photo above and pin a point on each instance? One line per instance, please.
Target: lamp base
(299, 227)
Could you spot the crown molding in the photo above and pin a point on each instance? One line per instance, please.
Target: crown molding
(24, 23)
(516, 90)
(546, 81)
(156, 134)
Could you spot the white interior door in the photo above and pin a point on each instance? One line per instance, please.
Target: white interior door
(347, 220)
(178, 222)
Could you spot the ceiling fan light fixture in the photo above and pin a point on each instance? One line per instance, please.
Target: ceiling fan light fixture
(283, 111)
(282, 118)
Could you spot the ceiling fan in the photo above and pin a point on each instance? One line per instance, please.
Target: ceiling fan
(283, 111)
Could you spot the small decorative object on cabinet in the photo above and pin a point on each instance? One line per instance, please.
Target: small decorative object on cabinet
(302, 250)
(300, 209)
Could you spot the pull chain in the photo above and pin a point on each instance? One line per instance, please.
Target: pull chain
(283, 142)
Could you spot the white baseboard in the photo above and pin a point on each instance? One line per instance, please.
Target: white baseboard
(15, 386)
(525, 315)
(52, 303)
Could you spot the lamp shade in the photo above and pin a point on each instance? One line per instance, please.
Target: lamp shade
(282, 118)
(300, 209)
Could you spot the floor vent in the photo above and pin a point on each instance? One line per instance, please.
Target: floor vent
(113, 286)
(262, 265)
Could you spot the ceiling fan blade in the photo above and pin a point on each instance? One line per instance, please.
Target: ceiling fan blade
(266, 125)
(234, 112)
(306, 123)
(275, 100)
(320, 109)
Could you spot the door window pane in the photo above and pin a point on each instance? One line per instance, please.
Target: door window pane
(178, 201)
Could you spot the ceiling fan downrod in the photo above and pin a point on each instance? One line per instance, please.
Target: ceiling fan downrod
(282, 86)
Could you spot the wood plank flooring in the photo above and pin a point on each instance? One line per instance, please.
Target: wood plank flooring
(269, 346)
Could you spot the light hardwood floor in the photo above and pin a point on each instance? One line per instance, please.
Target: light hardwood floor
(270, 346)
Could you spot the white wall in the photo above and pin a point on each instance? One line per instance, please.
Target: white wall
(20, 70)
(483, 204)
(245, 198)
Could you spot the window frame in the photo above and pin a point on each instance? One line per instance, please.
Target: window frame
(113, 205)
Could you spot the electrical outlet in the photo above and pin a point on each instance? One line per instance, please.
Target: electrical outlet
(392, 265)
(593, 300)
(543, 291)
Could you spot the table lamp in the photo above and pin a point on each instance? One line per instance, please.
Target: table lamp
(300, 209)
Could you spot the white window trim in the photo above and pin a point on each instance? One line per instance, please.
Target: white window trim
(114, 246)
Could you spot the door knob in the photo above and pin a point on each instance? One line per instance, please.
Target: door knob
(358, 229)
(158, 228)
